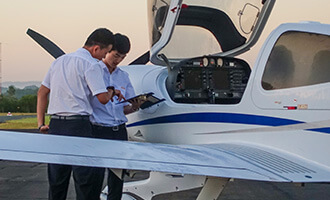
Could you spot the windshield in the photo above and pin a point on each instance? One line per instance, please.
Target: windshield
(205, 26)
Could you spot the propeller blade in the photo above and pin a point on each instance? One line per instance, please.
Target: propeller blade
(45, 43)
(142, 59)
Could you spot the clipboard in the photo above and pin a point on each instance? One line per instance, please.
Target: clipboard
(149, 99)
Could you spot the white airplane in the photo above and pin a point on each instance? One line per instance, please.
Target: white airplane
(220, 118)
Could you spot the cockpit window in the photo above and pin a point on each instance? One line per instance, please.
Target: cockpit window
(298, 59)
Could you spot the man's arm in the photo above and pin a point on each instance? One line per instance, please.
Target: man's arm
(104, 97)
(107, 96)
(41, 108)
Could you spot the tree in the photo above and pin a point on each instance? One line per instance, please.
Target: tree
(1, 102)
(11, 91)
(28, 103)
(8, 104)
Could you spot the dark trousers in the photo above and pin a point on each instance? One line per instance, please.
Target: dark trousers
(86, 179)
(115, 184)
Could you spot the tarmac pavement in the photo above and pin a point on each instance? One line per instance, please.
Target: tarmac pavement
(5, 118)
(27, 181)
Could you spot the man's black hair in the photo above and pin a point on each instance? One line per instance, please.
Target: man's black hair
(122, 44)
(102, 37)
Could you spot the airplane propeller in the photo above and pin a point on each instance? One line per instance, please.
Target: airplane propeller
(56, 51)
(143, 59)
(45, 43)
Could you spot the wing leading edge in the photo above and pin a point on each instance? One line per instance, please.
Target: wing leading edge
(219, 160)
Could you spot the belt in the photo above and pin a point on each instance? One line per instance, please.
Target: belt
(72, 117)
(113, 128)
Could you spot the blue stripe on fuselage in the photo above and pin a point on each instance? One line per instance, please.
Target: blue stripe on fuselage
(218, 118)
(322, 130)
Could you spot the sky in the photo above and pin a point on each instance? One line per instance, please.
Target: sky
(68, 23)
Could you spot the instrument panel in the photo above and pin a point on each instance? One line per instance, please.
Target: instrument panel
(209, 79)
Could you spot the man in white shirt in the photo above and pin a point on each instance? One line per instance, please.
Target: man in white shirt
(109, 119)
(72, 80)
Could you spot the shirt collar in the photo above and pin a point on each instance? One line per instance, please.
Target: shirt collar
(117, 70)
(87, 53)
(104, 67)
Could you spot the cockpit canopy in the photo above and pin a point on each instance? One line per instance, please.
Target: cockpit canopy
(182, 29)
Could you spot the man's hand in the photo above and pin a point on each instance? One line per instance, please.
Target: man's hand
(119, 95)
(136, 103)
(113, 92)
(43, 129)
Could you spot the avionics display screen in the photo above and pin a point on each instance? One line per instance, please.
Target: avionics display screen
(193, 78)
(220, 79)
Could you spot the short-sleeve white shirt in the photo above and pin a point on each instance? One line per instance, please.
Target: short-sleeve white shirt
(112, 113)
(73, 79)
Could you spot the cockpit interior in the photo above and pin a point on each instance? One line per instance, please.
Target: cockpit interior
(208, 80)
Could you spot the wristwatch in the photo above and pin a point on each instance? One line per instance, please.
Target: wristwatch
(111, 88)
(41, 126)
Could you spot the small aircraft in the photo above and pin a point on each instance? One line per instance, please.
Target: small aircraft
(220, 118)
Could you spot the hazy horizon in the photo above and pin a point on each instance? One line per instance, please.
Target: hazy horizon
(20, 84)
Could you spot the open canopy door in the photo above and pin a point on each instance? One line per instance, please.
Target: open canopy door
(183, 29)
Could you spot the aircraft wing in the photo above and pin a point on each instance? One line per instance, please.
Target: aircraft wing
(220, 160)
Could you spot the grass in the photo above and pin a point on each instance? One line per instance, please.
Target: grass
(26, 123)
(18, 114)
